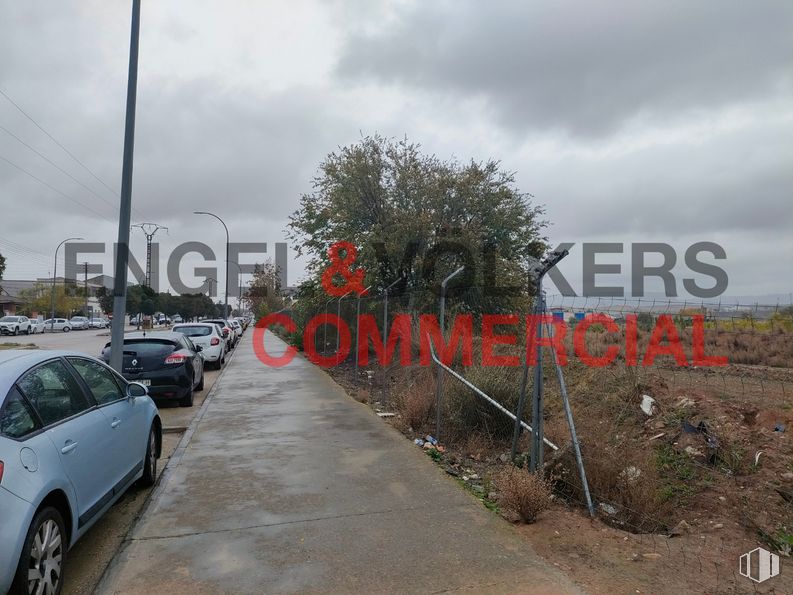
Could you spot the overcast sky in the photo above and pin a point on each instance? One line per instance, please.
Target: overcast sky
(630, 121)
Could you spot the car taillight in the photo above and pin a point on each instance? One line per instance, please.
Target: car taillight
(214, 341)
(225, 331)
(175, 358)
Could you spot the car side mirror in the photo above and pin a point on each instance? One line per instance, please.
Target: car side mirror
(136, 389)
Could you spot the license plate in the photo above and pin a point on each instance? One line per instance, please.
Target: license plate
(144, 382)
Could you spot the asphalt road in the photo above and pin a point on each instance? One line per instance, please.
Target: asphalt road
(89, 557)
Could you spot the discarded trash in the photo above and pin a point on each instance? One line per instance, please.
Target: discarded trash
(780, 428)
(631, 473)
(418, 442)
(690, 450)
(657, 436)
(757, 457)
(608, 508)
(648, 405)
(385, 414)
(431, 440)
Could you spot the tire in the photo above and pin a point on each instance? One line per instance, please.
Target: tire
(47, 526)
(187, 400)
(66, 329)
(201, 382)
(16, 331)
(27, 332)
(150, 462)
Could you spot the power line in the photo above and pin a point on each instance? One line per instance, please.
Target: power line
(53, 139)
(56, 166)
(54, 189)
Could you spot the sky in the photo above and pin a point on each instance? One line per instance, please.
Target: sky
(630, 122)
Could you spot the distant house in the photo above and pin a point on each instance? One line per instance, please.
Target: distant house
(9, 295)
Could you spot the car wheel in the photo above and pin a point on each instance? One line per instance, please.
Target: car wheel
(27, 332)
(66, 329)
(16, 331)
(150, 462)
(201, 382)
(187, 400)
(41, 564)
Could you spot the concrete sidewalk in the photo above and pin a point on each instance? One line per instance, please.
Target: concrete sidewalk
(288, 485)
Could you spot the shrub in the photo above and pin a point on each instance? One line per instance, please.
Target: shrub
(523, 493)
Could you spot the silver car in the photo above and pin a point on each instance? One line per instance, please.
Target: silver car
(57, 324)
(74, 435)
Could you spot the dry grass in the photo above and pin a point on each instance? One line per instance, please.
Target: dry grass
(522, 493)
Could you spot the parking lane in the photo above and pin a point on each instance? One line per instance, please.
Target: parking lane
(89, 557)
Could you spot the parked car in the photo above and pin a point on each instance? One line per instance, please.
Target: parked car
(57, 324)
(74, 436)
(209, 337)
(169, 364)
(226, 330)
(177, 319)
(36, 326)
(236, 327)
(14, 325)
(99, 323)
(79, 323)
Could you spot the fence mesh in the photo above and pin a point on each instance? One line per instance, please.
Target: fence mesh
(711, 444)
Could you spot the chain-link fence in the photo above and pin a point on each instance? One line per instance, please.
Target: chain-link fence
(661, 443)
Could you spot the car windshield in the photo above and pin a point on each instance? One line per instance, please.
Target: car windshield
(193, 331)
(9, 319)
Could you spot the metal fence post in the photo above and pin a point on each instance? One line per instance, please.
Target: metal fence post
(358, 325)
(439, 385)
(325, 328)
(537, 405)
(573, 435)
(338, 317)
(385, 332)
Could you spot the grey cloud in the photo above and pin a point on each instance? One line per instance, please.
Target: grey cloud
(583, 67)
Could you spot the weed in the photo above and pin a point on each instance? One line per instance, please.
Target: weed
(523, 493)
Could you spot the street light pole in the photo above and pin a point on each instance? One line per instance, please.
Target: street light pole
(54, 277)
(122, 252)
(239, 298)
(226, 300)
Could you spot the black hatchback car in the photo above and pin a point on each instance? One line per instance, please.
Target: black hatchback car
(169, 364)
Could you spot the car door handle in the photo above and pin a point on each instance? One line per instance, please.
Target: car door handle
(68, 447)
(115, 423)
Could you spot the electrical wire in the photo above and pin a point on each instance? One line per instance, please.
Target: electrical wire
(54, 189)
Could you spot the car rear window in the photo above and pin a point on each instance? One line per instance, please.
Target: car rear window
(194, 331)
(149, 346)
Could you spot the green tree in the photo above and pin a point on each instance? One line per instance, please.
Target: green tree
(386, 198)
(264, 290)
(2, 266)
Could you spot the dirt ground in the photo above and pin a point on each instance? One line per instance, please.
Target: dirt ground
(712, 442)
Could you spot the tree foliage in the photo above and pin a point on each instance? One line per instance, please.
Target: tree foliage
(263, 295)
(69, 299)
(388, 199)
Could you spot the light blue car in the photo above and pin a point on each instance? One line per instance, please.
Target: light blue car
(74, 435)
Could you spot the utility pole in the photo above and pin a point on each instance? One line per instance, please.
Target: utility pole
(149, 230)
(85, 289)
(122, 254)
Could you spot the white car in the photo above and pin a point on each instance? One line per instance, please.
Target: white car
(208, 336)
(15, 325)
(99, 323)
(36, 326)
(57, 324)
